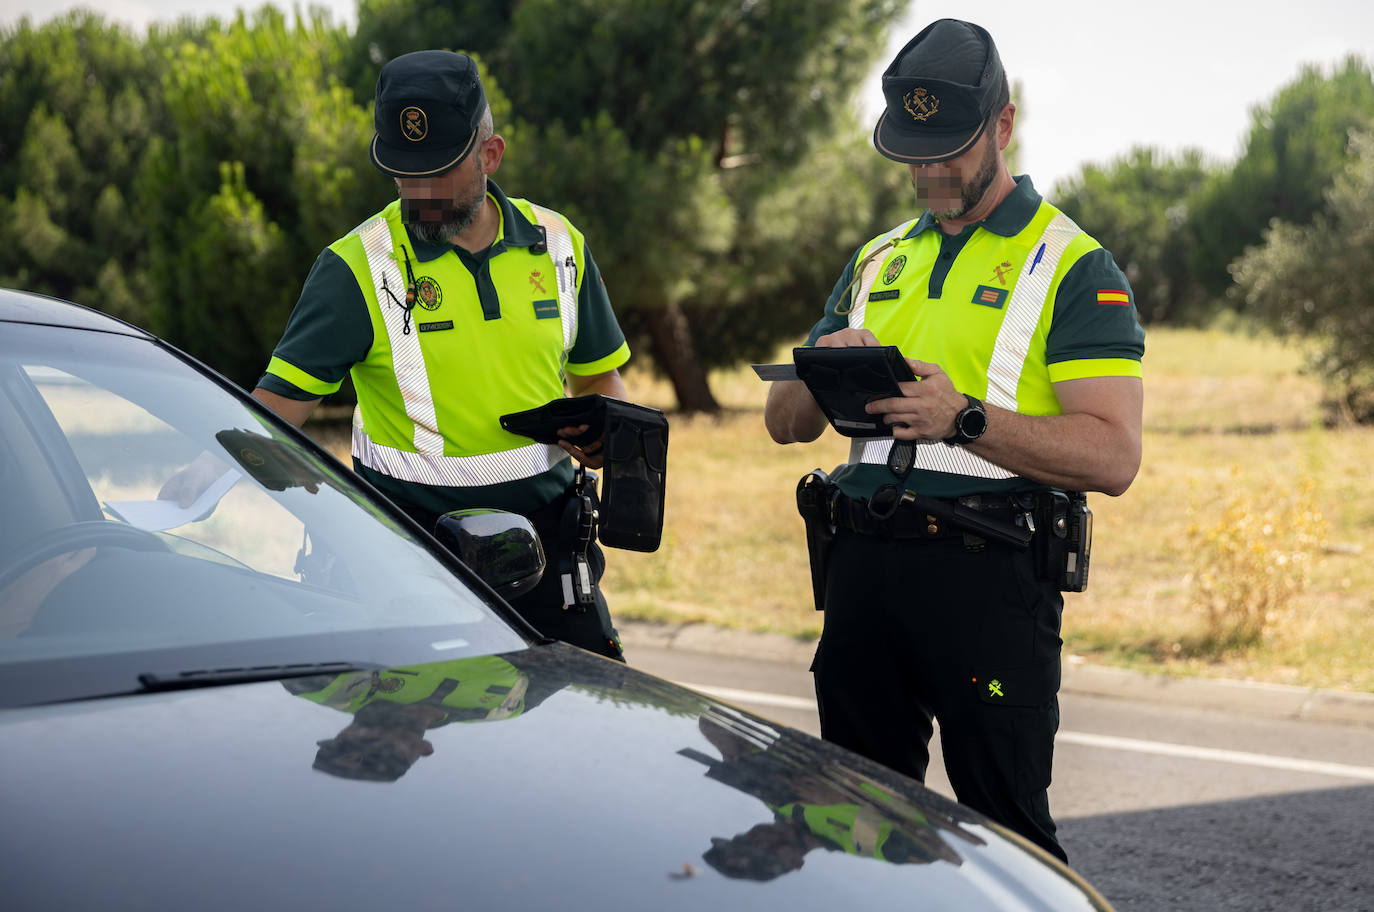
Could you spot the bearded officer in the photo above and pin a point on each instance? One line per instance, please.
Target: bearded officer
(954, 537)
(453, 306)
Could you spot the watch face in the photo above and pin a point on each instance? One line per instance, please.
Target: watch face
(973, 422)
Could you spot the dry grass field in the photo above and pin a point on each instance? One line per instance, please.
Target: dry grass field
(1231, 435)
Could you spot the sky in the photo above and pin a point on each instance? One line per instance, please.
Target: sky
(1098, 77)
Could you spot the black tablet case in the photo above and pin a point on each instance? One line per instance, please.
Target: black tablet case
(844, 380)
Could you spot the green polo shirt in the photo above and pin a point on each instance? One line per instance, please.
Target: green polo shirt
(330, 331)
(1081, 330)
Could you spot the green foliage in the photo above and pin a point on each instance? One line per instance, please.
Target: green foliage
(78, 102)
(1317, 281)
(263, 164)
(1296, 146)
(1136, 207)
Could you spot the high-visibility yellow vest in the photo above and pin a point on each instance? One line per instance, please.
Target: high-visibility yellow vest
(439, 375)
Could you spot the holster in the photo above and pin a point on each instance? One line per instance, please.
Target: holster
(816, 504)
(1063, 537)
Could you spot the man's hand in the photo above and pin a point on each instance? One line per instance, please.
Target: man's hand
(591, 454)
(927, 407)
(848, 338)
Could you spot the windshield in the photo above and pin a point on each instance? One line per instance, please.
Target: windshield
(281, 560)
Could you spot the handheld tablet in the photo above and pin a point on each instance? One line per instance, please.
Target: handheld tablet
(844, 380)
(541, 424)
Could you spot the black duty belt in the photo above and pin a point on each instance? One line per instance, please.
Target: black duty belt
(981, 516)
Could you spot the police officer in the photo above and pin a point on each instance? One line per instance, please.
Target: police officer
(1023, 336)
(393, 708)
(453, 306)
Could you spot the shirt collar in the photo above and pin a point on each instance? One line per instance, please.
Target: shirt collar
(1009, 219)
(514, 230)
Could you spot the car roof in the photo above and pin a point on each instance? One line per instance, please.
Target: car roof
(27, 307)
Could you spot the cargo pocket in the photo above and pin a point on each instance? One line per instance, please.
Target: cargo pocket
(1020, 716)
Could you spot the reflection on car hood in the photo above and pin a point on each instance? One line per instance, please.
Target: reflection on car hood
(542, 779)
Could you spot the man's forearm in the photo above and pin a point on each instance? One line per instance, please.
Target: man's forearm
(1076, 452)
(791, 414)
(295, 411)
(608, 384)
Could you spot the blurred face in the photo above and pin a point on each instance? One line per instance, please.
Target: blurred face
(438, 209)
(952, 188)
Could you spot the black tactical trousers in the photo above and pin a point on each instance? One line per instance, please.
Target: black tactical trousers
(917, 629)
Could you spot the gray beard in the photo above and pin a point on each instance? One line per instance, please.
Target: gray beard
(444, 232)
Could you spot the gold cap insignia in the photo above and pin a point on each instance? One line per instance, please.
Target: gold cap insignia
(414, 124)
(920, 104)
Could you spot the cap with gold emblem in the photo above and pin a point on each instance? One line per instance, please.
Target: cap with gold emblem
(429, 104)
(941, 91)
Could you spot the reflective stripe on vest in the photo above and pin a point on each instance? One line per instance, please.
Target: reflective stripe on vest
(453, 471)
(407, 360)
(1023, 312)
(560, 244)
(428, 464)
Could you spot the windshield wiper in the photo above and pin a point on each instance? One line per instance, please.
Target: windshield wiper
(214, 677)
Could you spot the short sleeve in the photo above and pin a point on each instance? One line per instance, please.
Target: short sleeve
(1095, 330)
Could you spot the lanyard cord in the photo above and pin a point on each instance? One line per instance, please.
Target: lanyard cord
(409, 304)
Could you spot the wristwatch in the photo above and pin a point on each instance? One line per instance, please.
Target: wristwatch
(969, 424)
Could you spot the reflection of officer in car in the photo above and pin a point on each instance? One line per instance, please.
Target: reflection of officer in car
(393, 708)
(810, 812)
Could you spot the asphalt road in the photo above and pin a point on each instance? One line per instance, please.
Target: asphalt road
(1162, 807)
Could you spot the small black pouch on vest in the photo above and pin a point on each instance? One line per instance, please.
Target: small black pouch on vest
(634, 476)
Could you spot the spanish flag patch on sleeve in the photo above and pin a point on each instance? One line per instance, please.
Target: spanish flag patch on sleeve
(1113, 296)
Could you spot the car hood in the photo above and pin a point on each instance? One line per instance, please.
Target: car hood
(541, 779)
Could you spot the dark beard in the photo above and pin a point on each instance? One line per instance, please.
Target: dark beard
(971, 192)
(446, 220)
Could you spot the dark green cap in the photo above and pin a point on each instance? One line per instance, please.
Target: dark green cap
(941, 92)
(429, 104)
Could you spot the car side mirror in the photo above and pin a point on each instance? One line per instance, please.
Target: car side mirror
(501, 547)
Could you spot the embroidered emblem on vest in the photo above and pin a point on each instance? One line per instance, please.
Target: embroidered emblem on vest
(892, 295)
(920, 104)
(894, 269)
(537, 281)
(546, 310)
(414, 124)
(428, 294)
(989, 296)
(1000, 272)
(435, 327)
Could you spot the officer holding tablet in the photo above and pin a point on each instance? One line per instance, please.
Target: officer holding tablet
(941, 548)
(453, 306)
